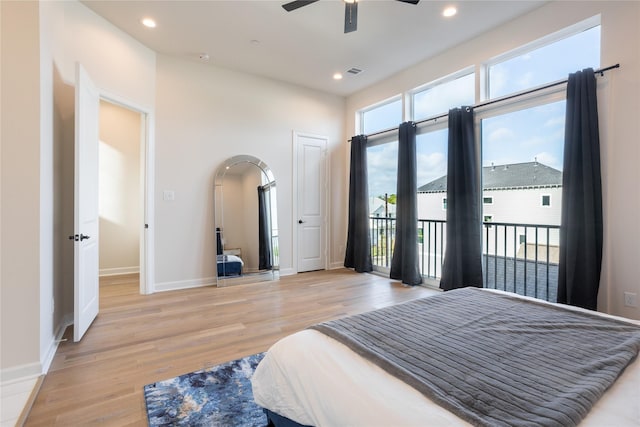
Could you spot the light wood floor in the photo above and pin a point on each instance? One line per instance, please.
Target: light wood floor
(137, 340)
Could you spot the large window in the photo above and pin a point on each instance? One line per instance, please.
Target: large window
(527, 135)
(522, 155)
(521, 142)
(381, 117)
(438, 97)
(431, 162)
(528, 68)
(382, 166)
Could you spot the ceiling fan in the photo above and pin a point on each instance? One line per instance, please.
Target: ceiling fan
(350, 11)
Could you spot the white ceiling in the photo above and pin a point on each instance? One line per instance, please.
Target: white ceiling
(307, 46)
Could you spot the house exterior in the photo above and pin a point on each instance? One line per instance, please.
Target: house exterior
(192, 121)
(521, 193)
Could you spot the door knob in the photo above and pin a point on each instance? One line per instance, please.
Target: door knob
(80, 238)
(300, 221)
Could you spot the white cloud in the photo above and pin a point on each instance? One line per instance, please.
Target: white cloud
(430, 166)
(549, 160)
(555, 122)
(501, 135)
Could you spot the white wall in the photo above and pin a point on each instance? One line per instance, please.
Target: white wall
(20, 243)
(77, 32)
(40, 44)
(250, 213)
(207, 114)
(120, 195)
(619, 106)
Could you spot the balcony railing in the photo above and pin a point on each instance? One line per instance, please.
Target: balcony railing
(520, 258)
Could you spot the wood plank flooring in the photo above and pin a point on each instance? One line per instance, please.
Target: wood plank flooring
(139, 339)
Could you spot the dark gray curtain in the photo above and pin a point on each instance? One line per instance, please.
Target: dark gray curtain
(404, 263)
(463, 257)
(358, 252)
(264, 232)
(581, 223)
(218, 241)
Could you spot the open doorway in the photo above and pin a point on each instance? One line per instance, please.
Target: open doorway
(121, 191)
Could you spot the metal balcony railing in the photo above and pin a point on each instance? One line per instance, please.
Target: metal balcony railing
(520, 258)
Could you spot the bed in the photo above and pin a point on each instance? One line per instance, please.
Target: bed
(229, 265)
(501, 359)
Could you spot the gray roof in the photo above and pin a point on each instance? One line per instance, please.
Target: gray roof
(518, 175)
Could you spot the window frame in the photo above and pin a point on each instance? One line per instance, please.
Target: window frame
(543, 41)
(542, 196)
(410, 95)
(360, 113)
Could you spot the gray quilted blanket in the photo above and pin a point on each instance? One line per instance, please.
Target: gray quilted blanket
(493, 359)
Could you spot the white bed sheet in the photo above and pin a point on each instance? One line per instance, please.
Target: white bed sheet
(315, 380)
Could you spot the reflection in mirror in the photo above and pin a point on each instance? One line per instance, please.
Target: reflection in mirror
(246, 222)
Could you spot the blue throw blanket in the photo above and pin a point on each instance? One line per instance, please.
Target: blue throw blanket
(494, 359)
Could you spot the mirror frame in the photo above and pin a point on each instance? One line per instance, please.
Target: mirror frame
(218, 220)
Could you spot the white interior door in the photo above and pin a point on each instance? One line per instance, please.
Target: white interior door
(311, 195)
(86, 284)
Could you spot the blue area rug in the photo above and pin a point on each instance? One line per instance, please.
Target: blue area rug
(217, 396)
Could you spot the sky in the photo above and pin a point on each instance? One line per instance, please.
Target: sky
(522, 136)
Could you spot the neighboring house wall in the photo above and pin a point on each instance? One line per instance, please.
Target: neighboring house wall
(522, 206)
(430, 206)
(120, 195)
(618, 105)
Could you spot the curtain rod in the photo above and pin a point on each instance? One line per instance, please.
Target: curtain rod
(493, 101)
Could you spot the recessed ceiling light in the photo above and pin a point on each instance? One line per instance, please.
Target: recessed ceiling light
(148, 22)
(337, 76)
(449, 11)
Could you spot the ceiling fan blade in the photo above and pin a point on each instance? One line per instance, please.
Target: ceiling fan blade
(410, 1)
(297, 4)
(350, 17)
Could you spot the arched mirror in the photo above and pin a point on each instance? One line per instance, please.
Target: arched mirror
(246, 221)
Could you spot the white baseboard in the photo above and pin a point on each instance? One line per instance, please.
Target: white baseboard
(118, 270)
(20, 373)
(14, 397)
(184, 284)
(287, 271)
(17, 383)
(53, 347)
(336, 265)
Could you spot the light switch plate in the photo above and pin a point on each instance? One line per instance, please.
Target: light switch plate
(169, 195)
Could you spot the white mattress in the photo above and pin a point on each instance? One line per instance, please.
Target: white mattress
(315, 380)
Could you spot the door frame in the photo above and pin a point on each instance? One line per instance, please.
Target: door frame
(147, 155)
(295, 208)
